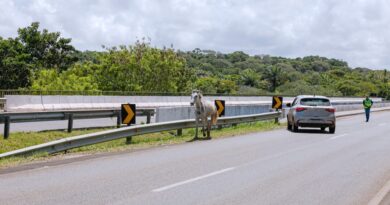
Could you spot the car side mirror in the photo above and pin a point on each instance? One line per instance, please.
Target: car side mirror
(288, 104)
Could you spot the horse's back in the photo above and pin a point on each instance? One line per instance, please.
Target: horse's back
(210, 107)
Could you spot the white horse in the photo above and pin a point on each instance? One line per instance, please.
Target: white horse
(203, 109)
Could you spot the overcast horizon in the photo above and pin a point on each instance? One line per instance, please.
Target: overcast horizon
(354, 31)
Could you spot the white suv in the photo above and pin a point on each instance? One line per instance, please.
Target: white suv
(311, 111)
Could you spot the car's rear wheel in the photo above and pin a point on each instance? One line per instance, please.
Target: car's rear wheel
(289, 126)
(322, 128)
(332, 129)
(295, 127)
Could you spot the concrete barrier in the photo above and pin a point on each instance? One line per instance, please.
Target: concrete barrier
(59, 102)
(166, 114)
(62, 102)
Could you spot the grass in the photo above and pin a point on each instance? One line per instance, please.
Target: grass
(20, 140)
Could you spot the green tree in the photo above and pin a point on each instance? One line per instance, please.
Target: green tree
(14, 71)
(207, 84)
(275, 75)
(143, 68)
(348, 88)
(72, 79)
(367, 88)
(384, 90)
(32, 50)
(226, 87)
(302, 87)
(250, 78)
(237, 56)
(46, 49)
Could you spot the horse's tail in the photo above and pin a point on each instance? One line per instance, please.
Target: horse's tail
(214, 118)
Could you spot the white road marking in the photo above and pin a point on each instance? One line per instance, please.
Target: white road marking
(338, 136)
(193, 180)
(380, 195)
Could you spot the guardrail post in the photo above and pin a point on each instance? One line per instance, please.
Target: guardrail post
(179, 132)
(128, 140)
(118, 120)
(70, 122)
(148, 116)
(7, 123)
(277, 118)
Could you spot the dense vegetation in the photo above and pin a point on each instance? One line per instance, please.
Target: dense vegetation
(41, 60)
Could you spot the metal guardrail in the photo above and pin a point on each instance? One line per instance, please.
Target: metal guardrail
(16, 117)
(126, 132)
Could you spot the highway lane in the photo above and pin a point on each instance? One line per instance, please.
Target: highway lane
(275, 167)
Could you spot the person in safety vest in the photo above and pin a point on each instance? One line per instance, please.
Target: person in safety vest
(367, 104)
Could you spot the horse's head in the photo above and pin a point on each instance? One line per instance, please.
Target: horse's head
(195, 97)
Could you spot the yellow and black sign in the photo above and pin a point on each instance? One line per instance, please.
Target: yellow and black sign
(277, 102)
(128, 114)
(220, 107)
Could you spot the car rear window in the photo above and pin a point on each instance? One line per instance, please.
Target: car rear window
(315, 102)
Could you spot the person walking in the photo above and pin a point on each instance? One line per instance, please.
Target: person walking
(367, 104)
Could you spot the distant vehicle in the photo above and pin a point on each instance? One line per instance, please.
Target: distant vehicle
(311, 111)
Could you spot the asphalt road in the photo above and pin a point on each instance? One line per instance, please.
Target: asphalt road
(277, 167)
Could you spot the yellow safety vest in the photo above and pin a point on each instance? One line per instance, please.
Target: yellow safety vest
(367, 103)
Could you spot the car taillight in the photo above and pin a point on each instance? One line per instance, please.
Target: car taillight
(332, 110)
(300, 109)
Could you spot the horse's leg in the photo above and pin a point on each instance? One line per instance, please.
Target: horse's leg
(202, 128)
(204, 120)
(196, 129)
(208, 129)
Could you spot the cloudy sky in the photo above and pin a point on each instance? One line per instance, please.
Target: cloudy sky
(357, 31)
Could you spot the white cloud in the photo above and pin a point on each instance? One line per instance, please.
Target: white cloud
(353, 30)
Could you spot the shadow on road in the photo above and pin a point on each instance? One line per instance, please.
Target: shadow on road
(312, 131)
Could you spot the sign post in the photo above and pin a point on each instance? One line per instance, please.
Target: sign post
(128, 116)
(277, 103)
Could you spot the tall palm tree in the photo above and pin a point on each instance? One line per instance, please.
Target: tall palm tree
(250, 78)
(274, 75)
